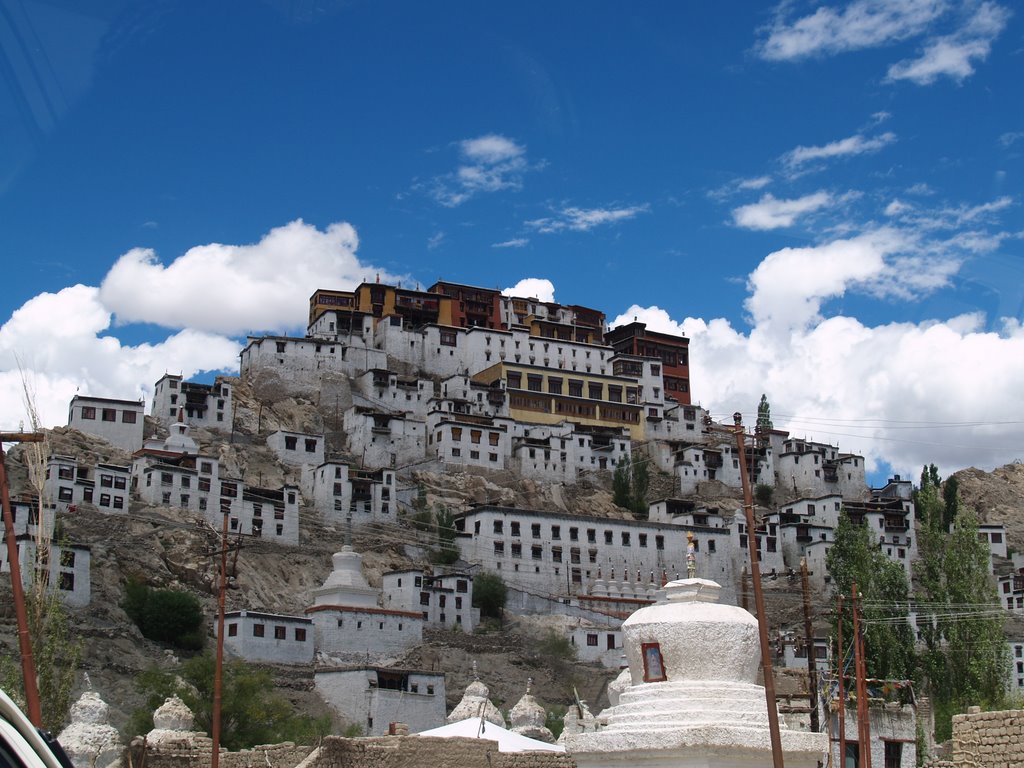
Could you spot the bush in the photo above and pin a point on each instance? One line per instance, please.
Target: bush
(763, 494)
(489, 594)
(165, 615)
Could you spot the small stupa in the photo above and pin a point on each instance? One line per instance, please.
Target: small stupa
(577, 719)
(528, 717)
(172, 726)
(346, 585)
(90, 740)
(475, 703)
(693, 699)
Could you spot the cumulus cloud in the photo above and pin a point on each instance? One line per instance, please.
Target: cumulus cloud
(861, 24)
(539, 288)
(63, 342)
(772, 213)
(584, 219)
(235, 289)
(902, 393)
(67, 340)
(952, 55)
(858, 144)
(488, 163)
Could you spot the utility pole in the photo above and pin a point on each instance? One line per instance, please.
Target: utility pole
(863, 724)
(755, 577)
(28, 666)
(812, 663)
(225, 508)
(842, 689)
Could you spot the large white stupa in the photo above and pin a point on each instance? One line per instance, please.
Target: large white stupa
(693, 700)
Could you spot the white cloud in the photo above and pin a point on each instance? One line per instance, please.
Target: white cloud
(880, 390)
(538, 288)
(758, 182)
(862, 24)
(515, 242)
(68, 342)
(896, 207)
(584, 219)
(490, 163)
(739, 185)
(1009, 138)
(857, 144)
(950, 217)
(236, 289)
(952, 55)
(435, 240)
(772, 213)
(62, 339)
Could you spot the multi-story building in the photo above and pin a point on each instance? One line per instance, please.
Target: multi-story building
(67, 570)
(444, 599)
(673, 352)
(70, 483)
(297, 449)
(552, 553)
(204, 405)
(340, 491)
(385, 439)
(375, 697)
(808, 468)
(119, 422)
(268, 638)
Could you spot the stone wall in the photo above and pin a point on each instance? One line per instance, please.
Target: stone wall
(196, 753)
(419, 751)
(986, 740)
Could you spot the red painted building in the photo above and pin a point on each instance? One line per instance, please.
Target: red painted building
(674, 352)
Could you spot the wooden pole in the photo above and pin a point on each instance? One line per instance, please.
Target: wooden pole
(863, 725)
(28, 666)
(225, 508)
(812, 662)
(755, 577)
(842, 690)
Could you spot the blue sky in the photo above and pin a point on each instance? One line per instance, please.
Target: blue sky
(825, 197)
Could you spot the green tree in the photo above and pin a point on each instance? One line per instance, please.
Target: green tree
(251, 711)
(630, 484)
(951, 501)
(489, 594)
(444, 528)
(165, 615)
(965, 661)
(764, 415)
(763, 494)
(855, 558)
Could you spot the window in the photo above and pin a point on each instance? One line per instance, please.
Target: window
(257, 630)
(893, 754)
(556, 554)
(499, 526)
(493, 438)
(65, 494)
(591, 536)
(554, 386)
(515, 528)
(592, 639)
(575, 388)
(109, 414)
(128, 417)
(659, 542)
(595, 391)
(88, 413)
(311, 445)
(105, 499)
(614, 394)
(517, 549)
(711, 545)
(515, 380)
(625, 539)
(474, 436)
(232, 630)
(556, 532)
(280, 633)
(290, 442)
(642, 537)
(537, 552)
(456, 434)
(499, 548)
(608, 537)
(300, 635)
(534, 383)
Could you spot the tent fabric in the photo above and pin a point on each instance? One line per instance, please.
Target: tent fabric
(508, 741)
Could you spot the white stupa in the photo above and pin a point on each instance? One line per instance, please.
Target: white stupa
(693, 698)
(90, 740)
(475, 703)
(346, 585)
(529, 719)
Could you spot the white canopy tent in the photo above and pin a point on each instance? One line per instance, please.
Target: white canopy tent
(478, 728)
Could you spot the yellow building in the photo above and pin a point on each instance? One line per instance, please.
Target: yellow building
(551, 396)
(380, 300)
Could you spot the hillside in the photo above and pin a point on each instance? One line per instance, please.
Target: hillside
(997, 497)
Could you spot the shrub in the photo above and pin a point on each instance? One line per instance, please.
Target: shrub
(489, 594)
(165, 615)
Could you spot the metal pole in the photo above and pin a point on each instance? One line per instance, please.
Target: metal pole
(842, 690)
(225, 507)
(762, 618)
(812, 663)
(28, 666)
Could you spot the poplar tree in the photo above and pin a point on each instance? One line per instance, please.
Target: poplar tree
(965, 661)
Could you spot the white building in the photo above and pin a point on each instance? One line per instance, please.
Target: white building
(339, 491)
(350, 625)
(300, 364)
(68, 571)
(382, 439)
(374, 697)
(1016, 678)
(70, 483)
(205, 405)
(268, 637)
(119, 422)
(466, 440)
(297, 449)
(808, 468)
(551, 553)
(445, 600)
(595, 644)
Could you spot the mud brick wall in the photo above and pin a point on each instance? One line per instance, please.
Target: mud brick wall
(420, 751)
(986, 740)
